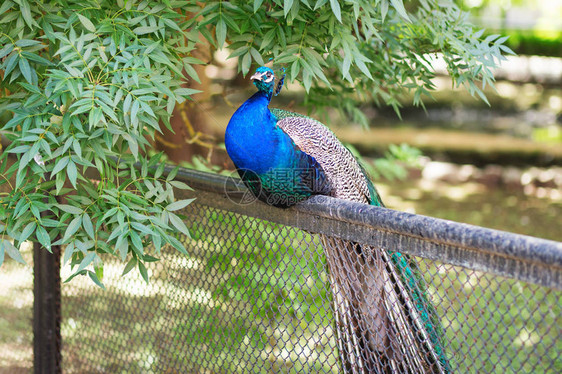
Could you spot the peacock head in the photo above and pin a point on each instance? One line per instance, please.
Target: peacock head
(264, 79)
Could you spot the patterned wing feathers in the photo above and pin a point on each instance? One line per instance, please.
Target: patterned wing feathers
(342, 169)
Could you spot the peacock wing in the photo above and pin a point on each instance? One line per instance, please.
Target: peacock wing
(345, 174)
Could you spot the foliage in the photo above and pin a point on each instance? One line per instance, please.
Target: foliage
(542, 38)
(534, 42)
(395, 163)
(550, 134)
(87, 84)
(345, 51)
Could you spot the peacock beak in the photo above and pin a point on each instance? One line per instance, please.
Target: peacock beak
(257, 77)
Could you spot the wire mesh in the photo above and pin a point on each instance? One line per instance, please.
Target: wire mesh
(255, 297)
(250, 297)
(16, 315)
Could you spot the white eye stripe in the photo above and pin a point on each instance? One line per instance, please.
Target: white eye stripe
(269, 79)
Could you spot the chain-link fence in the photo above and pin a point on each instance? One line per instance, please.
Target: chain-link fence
(255, 295)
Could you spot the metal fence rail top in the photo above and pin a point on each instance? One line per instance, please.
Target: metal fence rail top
(506, 254)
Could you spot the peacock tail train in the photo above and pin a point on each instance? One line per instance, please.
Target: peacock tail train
(384, 320)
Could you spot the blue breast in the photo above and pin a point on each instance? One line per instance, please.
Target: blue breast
(284, 174)
(252, 139)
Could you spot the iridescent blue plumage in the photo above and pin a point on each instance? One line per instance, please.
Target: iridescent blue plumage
(384, 320)
(281, 174)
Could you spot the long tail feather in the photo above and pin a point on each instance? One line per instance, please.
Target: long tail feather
(384, 321)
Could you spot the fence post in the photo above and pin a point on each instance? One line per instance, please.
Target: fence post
(47, 341)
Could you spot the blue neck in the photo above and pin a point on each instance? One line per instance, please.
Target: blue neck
(252, 138)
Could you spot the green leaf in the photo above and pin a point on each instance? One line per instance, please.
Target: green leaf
(12, 251)
(256, 56)
(143, 271)
(7, 4)
(6, 50)
(478, 33)
(10, 63)
(246, 63)
(68, 251)
(157, 242)
(336, 9)
(109, 213)
(36, 58)
(180, 185)
(267, 39)
(77, 148)
(399, 6)
(61, 164)
(96, 278)
(94, 116)
(87, 23)
(137, 243)
(69, 209)
(19, 149)
(361, 65)
(130, 265)
(25, 70)
(72, 173)
(287, 4)
(88, 226)
(122, 246)
(257, 5)
(134, 112)
(186, 91)
(221, 32)
(98, 267)
(148, 258)
(43, 238)
(172, 24)
(171, 175)
(86, 261)
(177, 205)
(142, 30)
(127, 103)
(507, 50)
(26, 13)
(178, 224)
(27, 231)
(73, 226)
(384, 9)
(177, 245)
(133, 145)
(141, 228)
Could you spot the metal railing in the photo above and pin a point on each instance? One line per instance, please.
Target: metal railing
(253, 295)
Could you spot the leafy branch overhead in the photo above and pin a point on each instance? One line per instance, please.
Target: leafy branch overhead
(343, 51)
(87, 84)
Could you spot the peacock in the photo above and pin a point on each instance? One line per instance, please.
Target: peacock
(384, 320)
